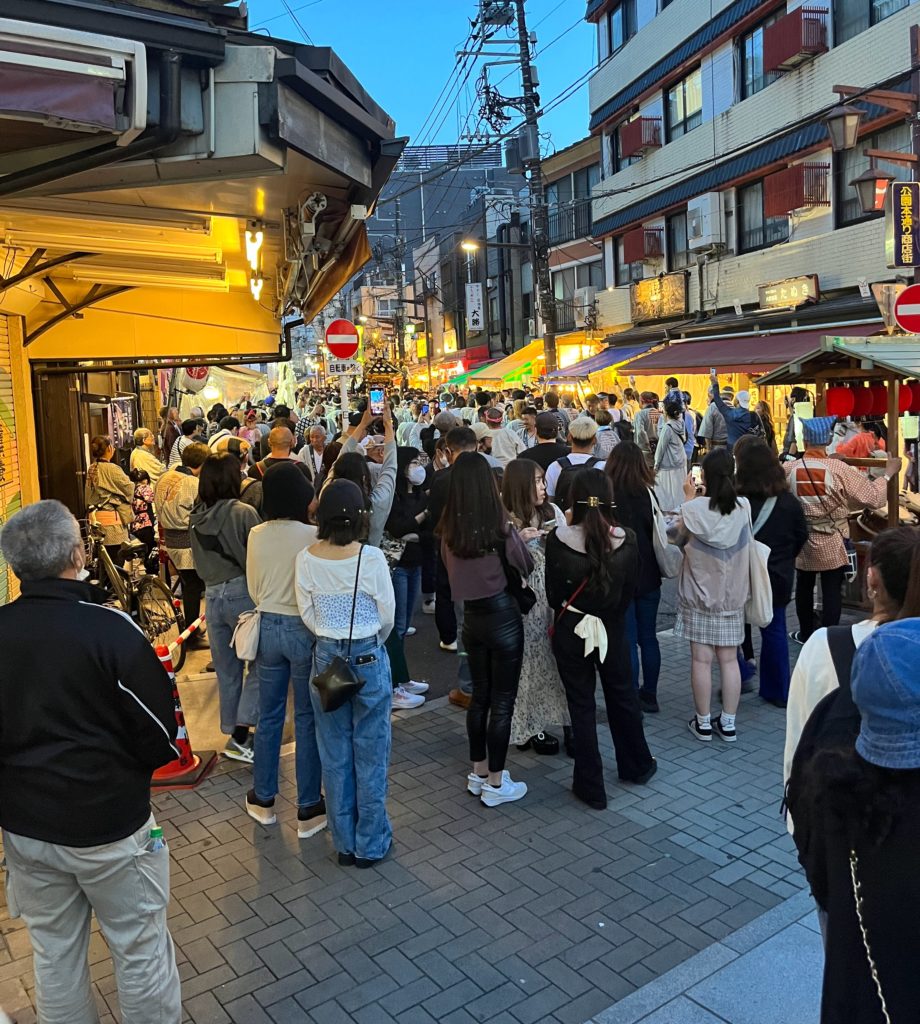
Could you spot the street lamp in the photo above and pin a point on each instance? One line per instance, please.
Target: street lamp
(872, 188)
(469, 245)
(843, 127)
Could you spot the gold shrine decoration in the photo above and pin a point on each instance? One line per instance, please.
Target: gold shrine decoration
(656, 298)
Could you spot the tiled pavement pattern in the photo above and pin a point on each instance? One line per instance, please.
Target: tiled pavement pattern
(538, 911)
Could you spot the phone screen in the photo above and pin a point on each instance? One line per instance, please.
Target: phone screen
(425, 407)
(376, 401)
(696, 473)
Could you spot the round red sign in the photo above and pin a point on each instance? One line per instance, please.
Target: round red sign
(907, 309)
(342, 339)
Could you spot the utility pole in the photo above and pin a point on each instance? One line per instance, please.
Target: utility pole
(399, 319)
(539, 215)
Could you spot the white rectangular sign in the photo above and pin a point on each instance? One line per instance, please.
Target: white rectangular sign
(475, 314)
(341, 367)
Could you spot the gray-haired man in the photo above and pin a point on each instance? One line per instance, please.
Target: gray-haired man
(78, 745)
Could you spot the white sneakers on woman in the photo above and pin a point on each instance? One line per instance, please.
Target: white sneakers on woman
(492, 796)
(404, 700)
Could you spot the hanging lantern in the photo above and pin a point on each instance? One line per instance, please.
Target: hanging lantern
(840, 402)
(862, 401)
(879, 400)
(914, 386)
(905, 399)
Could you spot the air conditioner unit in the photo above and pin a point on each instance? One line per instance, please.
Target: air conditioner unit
(584, 298)
(705, 230)
(531, 327)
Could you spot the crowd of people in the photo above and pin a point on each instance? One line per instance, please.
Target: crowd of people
(539, 536)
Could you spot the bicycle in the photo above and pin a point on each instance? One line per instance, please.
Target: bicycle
(142, 596)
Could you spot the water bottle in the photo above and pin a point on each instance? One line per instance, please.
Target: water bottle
(156, 841)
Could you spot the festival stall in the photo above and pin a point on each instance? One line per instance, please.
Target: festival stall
(599, 372)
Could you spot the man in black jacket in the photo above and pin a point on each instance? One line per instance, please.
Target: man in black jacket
(86, 716)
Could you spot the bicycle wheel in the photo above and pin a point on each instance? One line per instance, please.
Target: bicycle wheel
(158, 617)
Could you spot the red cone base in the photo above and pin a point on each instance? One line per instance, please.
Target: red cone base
(188, 769)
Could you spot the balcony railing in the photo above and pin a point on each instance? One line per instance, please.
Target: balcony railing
(794, 188)
(566, 315)
(796, 37)
(639, 135)
(566, 223)
(643, 244)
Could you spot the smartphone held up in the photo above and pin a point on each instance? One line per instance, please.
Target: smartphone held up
(377, 396)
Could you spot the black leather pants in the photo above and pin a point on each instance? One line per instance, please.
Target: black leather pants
(493, 635)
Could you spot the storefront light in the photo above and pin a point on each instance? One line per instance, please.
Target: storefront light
(872, 189)
(256, 282)
(255, 235)
(843, 127)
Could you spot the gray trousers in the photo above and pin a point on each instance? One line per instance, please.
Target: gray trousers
(56, 889)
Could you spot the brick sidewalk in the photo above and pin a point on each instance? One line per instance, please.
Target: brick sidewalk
(539, 911)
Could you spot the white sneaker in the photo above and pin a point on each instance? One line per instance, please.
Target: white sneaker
(403, 700)
(452, 646)
(411, 631)
(416, 686)
(239, 751)
(474, 782)
(507, 792)
(428, 607)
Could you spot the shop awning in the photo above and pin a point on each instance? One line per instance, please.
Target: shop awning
(758, 354)
(877, 356)
(511, 367)
(594, 364)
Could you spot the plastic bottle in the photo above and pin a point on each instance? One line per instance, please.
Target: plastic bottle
(156, 841)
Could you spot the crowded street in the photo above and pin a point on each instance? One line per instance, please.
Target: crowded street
(459, 512)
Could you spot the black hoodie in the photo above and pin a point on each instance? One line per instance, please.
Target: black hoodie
(86, 716)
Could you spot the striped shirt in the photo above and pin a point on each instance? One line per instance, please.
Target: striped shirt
(828, 491)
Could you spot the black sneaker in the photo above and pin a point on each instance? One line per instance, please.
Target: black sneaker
(796, 636)
(648, 702)
(700, 733)
(262, 810)
(346, 860)
(729, 735)
(311, 819)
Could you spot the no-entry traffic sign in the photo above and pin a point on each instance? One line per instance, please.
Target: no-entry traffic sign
(907, 309)
(342, 339)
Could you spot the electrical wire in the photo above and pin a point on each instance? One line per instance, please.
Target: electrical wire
(296, 21)
(278, 17)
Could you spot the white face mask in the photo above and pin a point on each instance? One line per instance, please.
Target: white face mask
(83, 574)
(416, 475)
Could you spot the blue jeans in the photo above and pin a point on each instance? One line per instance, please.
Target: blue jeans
(354, 745)
(285, 657)
(775, 674)
(239, 701)
(407, 584)
(642, 637)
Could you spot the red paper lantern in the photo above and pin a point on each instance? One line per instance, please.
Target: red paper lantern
(879, 400)
(905, 399)
(915, 397)
(840, 402)
(862, 401)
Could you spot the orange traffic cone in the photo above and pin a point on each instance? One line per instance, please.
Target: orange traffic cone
(189, 768)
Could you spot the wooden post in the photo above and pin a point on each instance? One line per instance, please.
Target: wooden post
(820, 396)
(894, 486)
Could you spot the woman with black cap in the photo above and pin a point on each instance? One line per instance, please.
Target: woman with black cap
(285, 649)
(345, 597)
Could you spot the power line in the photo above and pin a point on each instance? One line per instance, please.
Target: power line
(296, 21)
(278, 17)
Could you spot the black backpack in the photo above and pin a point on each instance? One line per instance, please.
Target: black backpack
(755, 426)
(567, 478)
(833, 724)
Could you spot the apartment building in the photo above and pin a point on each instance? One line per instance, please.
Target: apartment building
(721, 207)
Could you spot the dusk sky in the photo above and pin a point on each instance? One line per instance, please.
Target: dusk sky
(403, 51)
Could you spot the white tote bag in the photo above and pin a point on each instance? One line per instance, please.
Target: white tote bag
(245, 639)
(759, 608)
(668, 556)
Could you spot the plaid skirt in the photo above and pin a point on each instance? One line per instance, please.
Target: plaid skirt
(718, 629)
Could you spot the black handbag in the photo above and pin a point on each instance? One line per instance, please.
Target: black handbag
(516, 585)
(338, 682)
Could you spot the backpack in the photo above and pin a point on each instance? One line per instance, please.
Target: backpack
(567, 478)
(755, 426)
(833, 724)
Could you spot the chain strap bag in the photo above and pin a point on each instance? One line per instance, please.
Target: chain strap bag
(338, 682)
(669, 556)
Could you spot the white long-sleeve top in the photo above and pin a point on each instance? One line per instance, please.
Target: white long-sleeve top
(324, 591)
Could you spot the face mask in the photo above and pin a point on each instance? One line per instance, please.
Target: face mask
(416, 475)
(83, 574)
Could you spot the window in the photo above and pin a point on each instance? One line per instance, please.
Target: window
(685, 105)
(854, 16)
(590, 275)
(753, 76)
(564, 284)
(851, 163)
(621, 25)
(678, 249)
(627, 272)
(754, 230)
(618, 162)
(387, 307)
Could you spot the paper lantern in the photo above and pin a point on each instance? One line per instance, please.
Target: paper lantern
(905, 399)
(879, 400)
(862, 401)
(840, 401)
(915, 397)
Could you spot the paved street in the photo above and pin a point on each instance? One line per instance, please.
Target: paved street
(541, 911)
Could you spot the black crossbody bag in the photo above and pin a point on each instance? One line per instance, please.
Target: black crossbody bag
(338, 682)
